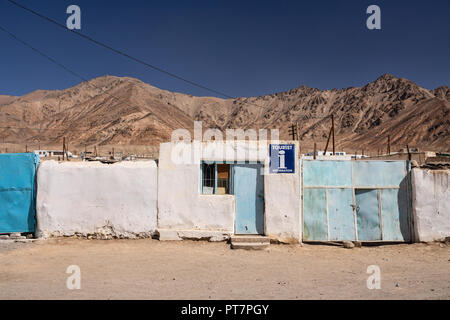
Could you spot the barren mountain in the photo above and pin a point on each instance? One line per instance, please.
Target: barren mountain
(122, 111)
(6, 99)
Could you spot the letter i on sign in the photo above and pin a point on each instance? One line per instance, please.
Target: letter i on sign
(281, 157)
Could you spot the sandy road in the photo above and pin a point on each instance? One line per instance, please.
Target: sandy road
(149, 269)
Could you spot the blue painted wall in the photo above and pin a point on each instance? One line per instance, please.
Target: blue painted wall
(18, 192)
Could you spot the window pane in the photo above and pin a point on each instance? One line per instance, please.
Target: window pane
(210, 181)
(223, 178)
(208, 178)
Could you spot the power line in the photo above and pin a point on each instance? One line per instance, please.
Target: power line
(42, 54)
(63, 67)
(83, 78)
(54, 61)
(76, 75)
(120, 52)
(101, 44)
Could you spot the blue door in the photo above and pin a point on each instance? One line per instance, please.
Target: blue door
(315, 222)
(394, 215)
(367, 214)
(340, 214)
(248, 183)
(17, 192)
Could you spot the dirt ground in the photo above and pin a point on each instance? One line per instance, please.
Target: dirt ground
(150, 269)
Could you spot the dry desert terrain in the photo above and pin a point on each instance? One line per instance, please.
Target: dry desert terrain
(150, 269)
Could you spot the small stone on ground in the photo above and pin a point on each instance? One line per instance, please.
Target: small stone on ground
(348, 244)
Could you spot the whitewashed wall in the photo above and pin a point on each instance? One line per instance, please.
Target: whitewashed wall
(184, 213)
(282, 195)
(181, 208)
(91, 198)
(431, 204)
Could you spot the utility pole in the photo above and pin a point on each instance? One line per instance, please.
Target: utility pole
(293, 131)
(389, 145)
(409, 153)
(328, 141)
(298, 131)
(332, 129)
(329, 136)
(64, 147)
(315, 148)
(67, 150)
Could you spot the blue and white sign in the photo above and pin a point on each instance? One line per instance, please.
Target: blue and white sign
(282, 158)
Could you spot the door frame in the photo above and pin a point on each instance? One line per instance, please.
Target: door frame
(260, 165)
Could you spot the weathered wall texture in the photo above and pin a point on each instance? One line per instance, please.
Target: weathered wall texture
(282, 195)
(184, 213)
(431, 204)
(87, 198)
(180, 204)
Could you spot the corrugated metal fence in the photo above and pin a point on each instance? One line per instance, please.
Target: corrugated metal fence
(18, 192)
(356, 200)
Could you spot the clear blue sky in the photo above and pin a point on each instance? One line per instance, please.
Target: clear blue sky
(240, 47)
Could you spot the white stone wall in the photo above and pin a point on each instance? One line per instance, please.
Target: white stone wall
(431, 204)
(184, 213)
(91, 198)
(180, 204)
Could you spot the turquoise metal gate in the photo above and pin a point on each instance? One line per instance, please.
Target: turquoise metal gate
(18, 192)
(356, 200)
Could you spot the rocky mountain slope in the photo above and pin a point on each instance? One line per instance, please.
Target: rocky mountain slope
(123, 111)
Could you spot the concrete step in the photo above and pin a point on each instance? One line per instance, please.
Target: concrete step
(250, 242)
(249, 245)
(250, 238)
